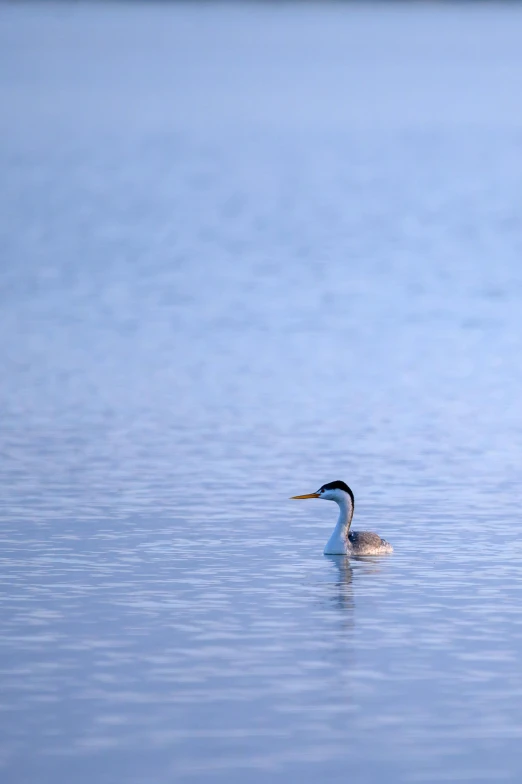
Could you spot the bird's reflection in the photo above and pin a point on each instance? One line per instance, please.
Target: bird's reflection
(343, 596)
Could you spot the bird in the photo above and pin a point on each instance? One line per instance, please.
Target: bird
(343, 541)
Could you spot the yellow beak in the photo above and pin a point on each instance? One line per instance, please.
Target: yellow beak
(298, 497)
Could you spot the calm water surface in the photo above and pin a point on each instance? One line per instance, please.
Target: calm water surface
(245, 251)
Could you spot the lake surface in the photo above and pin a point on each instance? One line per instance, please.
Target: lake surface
(247, 250)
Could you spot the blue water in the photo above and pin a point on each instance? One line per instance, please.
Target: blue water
(247, 250)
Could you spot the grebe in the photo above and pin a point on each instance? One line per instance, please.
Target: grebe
(342, 542)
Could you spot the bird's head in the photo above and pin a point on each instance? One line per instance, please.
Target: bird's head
(332, 491)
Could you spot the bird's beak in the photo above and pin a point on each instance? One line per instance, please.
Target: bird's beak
(299, 497)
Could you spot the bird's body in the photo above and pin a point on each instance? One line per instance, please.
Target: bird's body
(343, 541)
(367, 543)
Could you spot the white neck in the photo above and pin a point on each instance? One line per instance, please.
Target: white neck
(338, 542)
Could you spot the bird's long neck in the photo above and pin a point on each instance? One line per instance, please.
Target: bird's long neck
(338, 542)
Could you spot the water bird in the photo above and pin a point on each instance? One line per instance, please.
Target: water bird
(343, 541)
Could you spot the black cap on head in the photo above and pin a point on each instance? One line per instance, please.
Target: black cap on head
(339, 485)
